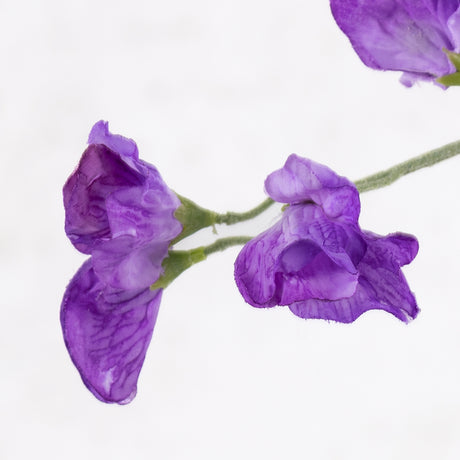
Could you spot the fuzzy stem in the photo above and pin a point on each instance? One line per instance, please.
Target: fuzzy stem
(388, 176)
(179, 261)
(223, 243)
(231, 218)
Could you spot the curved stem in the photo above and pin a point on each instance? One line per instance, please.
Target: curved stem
(194, 217)
(231, 218)
(223, 243)
(179, 261)
(388, 176)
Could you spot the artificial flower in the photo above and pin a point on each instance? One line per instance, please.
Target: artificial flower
(118, 210)
(316, 259)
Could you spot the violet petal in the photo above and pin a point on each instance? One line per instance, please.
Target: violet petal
(317, 260)
(112, 194)
(302, 180)
(100, 134)
(305, 255)
(107, 334)
(401, 35)
(381, 285)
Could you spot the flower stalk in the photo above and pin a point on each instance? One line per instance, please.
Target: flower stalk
(390, 175)
(179, 261)
(231, 218)
(372, 182)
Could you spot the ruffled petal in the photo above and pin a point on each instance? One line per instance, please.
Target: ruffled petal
(301, 180)
(401, 35)
(122, 264)
(305, 255)
(381, 285)
(319, 277)
(144, 213)
(380, 268)
(100, 134)
(107, 334)
(112, 193)
(255, 268)
(394, 250)
(317, 260)
(341, 241)
(99, 173)
(342, 310)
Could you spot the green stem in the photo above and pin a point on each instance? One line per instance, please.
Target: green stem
(194, 217)
(223, 243)
(372, 182)
(388, 176)
(231, 218)
(179, 261)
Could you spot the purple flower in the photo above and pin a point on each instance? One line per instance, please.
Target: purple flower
(316, 259)
(403, 35)
(119, 210)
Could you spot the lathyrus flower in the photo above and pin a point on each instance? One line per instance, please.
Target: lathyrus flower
(118, 210)
(316, 259)
(404, 35)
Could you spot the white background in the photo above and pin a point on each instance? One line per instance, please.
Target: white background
(217, 94)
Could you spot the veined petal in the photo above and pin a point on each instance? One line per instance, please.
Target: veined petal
(122, 264)
(100, 134)
(107, 340)
(317, 260)
(144, 213)
(342, 310)
(341, 241)
(401, 35)
(255, 268)
(301, 180)
(112, 193)
(381, 285)
(319, 278)
(380, 268)
(394, 250)
(305, 255)
(99, 173)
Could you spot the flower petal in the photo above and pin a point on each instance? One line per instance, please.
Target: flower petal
(381, 285)
(305, 255)
(122, 264)
(399, 34)
(301, 180)
(112, 193)
(394, 250)
(386, 282)
(319, 278)
(145, 212)
(342, 310)
(255, 268)
(107, 334)
(341, 241)
(99, 173)
(100, 134)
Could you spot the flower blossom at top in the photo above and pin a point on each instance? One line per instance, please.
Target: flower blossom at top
(404, 35)
(316, 259)
(118, 210)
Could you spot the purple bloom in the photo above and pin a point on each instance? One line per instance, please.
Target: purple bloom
(403, 35)
(119, 210)
(316, 259)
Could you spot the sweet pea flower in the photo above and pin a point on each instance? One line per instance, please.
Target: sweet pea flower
(404, 35)
(316, 259)
(118, 210)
